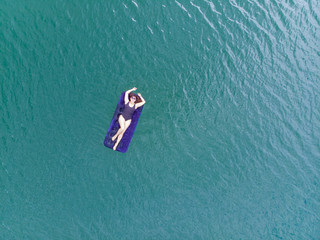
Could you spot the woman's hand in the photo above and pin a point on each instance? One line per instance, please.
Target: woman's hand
(133, 89)
(139, 94)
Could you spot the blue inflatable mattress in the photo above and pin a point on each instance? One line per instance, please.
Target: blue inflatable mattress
(114, 127)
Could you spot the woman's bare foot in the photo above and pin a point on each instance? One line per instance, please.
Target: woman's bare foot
(113, 138)
(114, 147)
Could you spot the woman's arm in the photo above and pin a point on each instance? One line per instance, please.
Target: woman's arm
(140, 103)
(126, 99)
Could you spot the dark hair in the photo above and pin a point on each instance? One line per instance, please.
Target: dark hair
(138, 99)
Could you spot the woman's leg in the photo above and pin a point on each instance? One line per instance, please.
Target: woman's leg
(122, 127)
(127, 124)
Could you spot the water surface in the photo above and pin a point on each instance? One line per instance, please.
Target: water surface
(227, 146)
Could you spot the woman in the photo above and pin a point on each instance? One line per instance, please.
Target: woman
(132, 102)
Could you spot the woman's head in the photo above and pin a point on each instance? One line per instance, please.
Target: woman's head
(134, 98)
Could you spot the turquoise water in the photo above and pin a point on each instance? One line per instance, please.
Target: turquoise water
(227, 146)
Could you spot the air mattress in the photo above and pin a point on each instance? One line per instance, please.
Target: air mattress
(114, 127)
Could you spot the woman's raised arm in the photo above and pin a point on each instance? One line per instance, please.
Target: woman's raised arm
(126, 99)
(140, 103)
